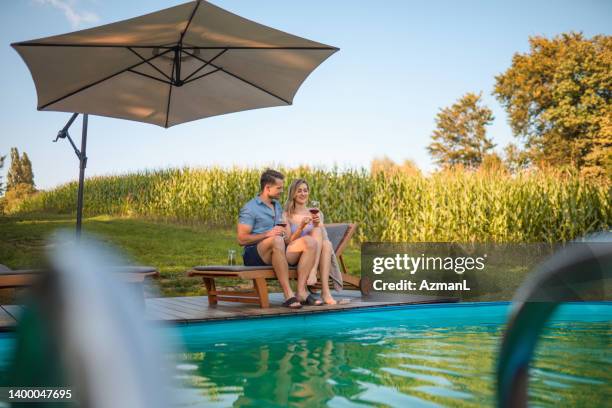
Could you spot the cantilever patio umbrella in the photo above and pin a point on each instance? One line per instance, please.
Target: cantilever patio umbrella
(176, 65)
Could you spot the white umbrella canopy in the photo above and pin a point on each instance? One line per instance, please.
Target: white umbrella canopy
(176, 65)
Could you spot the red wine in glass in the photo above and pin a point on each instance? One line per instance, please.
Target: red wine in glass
(314, 207)
(281, 224)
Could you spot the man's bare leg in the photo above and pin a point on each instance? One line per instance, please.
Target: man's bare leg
(272, 251)
(302, 251)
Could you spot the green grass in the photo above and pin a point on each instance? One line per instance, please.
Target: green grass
(171, 248)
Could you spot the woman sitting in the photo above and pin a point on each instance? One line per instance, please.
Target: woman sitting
(309, 221)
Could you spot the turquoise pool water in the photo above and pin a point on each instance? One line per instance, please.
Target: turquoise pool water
(411, 356)
(438, 355)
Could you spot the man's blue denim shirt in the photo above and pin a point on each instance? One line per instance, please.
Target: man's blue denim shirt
(259, 216)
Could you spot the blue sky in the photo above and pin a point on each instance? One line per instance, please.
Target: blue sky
(399, 63)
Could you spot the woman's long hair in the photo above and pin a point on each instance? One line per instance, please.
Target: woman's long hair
(290, 203)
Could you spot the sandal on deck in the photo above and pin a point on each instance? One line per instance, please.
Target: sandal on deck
(312, 301)
(291, 301)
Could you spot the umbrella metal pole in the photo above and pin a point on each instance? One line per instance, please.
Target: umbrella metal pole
(82, 165)
(82, 156)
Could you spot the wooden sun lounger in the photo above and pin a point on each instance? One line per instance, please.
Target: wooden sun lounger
(339, 235)
(26, 277)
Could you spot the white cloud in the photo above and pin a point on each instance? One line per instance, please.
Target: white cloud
(76, 18)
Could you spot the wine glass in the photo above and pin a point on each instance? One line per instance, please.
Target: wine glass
(314, 207)
(282, 221)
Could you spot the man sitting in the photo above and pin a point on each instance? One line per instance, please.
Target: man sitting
(265, 243)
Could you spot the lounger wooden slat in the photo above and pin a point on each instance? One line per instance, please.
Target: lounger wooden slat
(27, 277)
(240, 299)
(338, 234)
(232, 293)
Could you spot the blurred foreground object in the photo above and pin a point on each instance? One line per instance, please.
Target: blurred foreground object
(581, 271)
(84, 329)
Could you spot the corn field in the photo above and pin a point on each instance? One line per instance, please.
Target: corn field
(458, 206)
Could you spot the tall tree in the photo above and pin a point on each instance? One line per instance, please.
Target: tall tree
(386, 165)
(14, 175)
(460, 136)
(1, 167)
(381, 165)
(557, 97)
(20, 171)
(26, 169)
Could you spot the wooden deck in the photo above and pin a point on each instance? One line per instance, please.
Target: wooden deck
(184, 310)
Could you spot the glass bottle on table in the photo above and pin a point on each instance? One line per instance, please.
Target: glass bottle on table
(231, 257)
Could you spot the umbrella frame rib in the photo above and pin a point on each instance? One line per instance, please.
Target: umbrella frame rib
(203, 75)
(100, 81)
(149, 63)
(149, 76)
(238, 77)
(189, 21)
(177, 81)
(186, 80)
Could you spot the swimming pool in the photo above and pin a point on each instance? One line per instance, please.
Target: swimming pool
(395, 356)
(421, 356)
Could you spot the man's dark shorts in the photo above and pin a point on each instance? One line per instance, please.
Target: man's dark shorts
(251, 257)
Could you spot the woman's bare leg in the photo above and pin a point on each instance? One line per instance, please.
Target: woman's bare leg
(318, 236)
(302, 251)
(325, 268)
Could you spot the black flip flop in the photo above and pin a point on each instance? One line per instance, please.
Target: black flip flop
(290, 301)
(312, 301)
